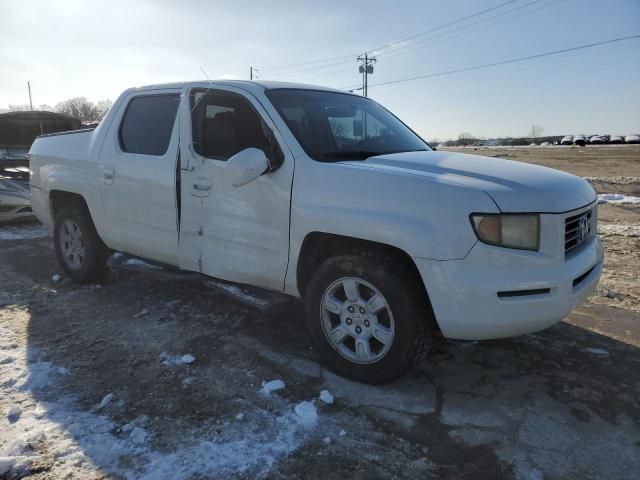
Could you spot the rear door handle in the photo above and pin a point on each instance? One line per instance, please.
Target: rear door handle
(108, 173)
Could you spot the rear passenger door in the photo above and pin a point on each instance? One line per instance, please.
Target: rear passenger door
(137, 170)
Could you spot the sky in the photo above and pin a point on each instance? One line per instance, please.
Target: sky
(96, 49)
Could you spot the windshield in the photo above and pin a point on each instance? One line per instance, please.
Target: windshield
(335, 126)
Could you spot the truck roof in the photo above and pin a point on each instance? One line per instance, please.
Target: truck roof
(260, 85)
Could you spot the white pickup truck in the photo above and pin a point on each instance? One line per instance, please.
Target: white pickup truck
(325, 196)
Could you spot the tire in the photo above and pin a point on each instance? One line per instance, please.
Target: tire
(79, 250)
(406, 313)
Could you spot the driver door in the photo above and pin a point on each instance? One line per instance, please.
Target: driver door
(239, 234)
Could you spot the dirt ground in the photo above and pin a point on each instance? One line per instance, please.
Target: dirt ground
(145, 377)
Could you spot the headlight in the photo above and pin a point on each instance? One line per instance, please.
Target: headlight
(521, 231)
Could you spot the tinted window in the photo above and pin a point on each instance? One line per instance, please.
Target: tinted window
(334, 126)
(224, 124)
(147, 124)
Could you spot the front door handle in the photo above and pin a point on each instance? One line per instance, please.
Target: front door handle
(201, 186)
(108, 173)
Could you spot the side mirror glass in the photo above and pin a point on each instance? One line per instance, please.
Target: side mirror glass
(246, 166)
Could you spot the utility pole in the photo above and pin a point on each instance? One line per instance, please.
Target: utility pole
(250, 73)
(366, 69)
(30, 101)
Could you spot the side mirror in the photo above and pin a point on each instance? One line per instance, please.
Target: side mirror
(246, 166)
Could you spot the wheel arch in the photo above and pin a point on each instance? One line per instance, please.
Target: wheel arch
(318, 246)
(59, 199)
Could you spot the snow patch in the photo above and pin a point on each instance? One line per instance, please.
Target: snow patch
(619, 180)
(23, 232)
(618, 199)
(237, 292)
(619, 229)
(139, 421)
(176, 360)
(598, 352)
(105, 401)
(138, 436)
(272, 386)
(307, 413)
(84, 443)
(326, 397)
(136, 262)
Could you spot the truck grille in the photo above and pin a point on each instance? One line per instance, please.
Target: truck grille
(577, 230)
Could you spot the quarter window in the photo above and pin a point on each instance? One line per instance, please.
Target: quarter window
(147, 124)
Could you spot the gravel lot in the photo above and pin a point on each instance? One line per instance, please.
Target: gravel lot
(144, 377)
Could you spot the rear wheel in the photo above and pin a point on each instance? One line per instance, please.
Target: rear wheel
(368, 315)
(79, 249)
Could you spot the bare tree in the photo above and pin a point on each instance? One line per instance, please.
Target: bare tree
(83, 109)
(339, 129)
(103, 107)
(465, 138)
(19, 108)
(26, 107)
(79, 108)
(536, 131)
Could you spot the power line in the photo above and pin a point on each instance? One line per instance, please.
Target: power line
(306, 78)
(312, 69)
(453, 22)
(443, 35)
(286, 67)
(350, 57)
(412, 47)
(494, 64)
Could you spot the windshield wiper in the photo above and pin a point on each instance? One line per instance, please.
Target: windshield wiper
(352, 155)
(364, 154)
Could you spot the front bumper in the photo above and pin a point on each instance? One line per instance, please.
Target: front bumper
(464, 293)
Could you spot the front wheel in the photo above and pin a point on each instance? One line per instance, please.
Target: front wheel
(368, 315)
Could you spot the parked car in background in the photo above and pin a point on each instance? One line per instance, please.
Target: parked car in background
(632, 139)
(597, 139)
(384, 239)
(567, 140)
(18, 130)
(580, 140)
(616, 139)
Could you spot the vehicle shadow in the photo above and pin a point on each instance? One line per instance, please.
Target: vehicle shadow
(561, 403)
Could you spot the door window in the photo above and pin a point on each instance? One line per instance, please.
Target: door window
(147, 124)
(224, 123)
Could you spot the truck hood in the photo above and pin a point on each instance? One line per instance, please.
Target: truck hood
(514, 186)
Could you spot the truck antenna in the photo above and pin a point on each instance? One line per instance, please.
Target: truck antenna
(205, 92)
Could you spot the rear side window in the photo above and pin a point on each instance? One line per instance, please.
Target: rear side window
(147, 124)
